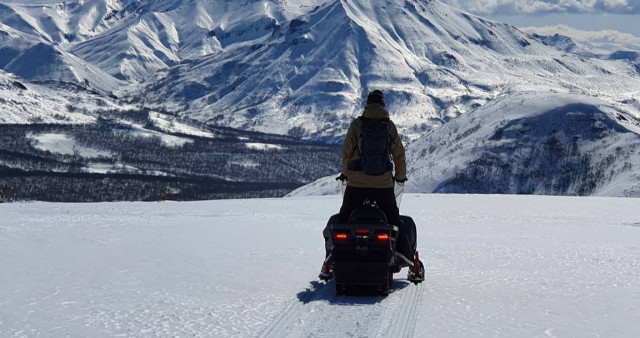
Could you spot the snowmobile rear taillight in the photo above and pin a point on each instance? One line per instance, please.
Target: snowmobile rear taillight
(383, 237)
(341, 236)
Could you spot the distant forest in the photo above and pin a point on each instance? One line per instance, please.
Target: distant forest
(145, 168)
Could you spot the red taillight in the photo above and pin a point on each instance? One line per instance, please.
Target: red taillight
(341, 237)
(383, 237)
(362, 231)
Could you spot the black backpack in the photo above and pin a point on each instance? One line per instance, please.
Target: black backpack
(375, 136)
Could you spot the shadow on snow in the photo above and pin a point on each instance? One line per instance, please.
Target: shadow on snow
(321, 291)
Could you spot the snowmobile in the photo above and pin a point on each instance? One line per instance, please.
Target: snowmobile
(367, 251)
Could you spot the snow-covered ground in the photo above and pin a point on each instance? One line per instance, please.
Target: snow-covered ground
(63, 144)
(166, 123)
(499, 266)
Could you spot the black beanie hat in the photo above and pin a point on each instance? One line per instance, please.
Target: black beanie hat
(376, 96)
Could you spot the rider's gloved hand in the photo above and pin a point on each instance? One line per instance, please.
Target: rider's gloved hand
(401, 180)
(341, 178)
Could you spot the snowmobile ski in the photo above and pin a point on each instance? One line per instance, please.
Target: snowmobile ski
(416, 273)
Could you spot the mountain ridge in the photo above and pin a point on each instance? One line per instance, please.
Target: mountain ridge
(425, 90)
(303, 69)
(524, 143)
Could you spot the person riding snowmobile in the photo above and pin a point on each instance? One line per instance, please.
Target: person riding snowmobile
(369, 172)
(376, 186)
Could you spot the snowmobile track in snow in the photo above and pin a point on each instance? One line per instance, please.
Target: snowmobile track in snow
(405, 323)
(280, 324)
(393, 316)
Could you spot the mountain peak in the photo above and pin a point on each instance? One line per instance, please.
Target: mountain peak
(305, 66)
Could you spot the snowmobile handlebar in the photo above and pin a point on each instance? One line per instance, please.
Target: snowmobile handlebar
(398, 187)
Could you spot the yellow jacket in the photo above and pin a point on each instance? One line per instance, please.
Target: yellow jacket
(352, 147)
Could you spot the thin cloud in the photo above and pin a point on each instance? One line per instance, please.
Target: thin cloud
(512, 7)
(603, 41)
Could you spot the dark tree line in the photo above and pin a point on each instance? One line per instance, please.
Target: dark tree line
(144, 167)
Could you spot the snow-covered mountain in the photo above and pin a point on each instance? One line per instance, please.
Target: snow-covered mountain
(303, 68)
(525, 143)
(599, 42)
(532, 144)
(566, 44)
(132, 39)
(43, 62)
(24, 102)
(310, 75)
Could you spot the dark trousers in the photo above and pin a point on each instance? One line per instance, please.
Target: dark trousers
(384, 197)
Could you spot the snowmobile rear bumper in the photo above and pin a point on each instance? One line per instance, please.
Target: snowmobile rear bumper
(359, 273)
(363, 254)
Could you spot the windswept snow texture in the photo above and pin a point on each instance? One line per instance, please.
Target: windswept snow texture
(499, 266)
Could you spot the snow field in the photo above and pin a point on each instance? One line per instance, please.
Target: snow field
(64, 144)
(499, 266)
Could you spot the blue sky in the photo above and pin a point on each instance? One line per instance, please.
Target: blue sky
(593, 15)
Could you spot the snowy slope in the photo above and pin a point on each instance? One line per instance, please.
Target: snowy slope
(499, 266)
(311, 74)
(44, 62)
(531, 143)
(525, 143)
(24, 102)
(567, 44)
(134, 39)
(303, 67)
